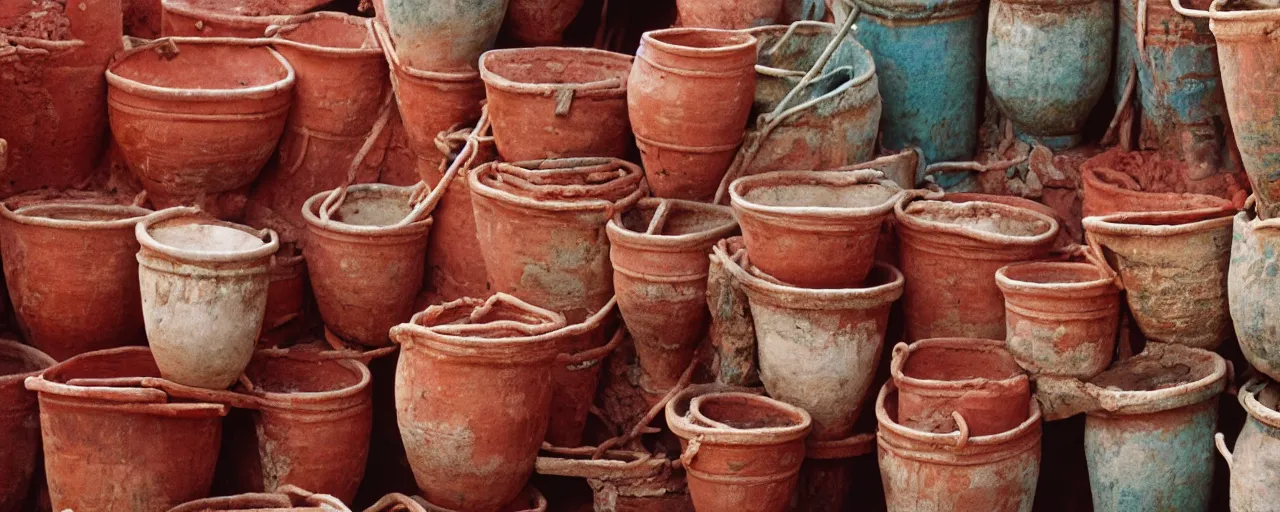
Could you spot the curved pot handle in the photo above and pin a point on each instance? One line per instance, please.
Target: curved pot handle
(593, 355)
(216, 396)
(691, 451)
(428, 203)
(962, 428)
(1096, 256)
(1221, 443)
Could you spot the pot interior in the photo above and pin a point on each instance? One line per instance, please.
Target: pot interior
(1148, 372)
(704, 39)
(373, 207)
(204, 67)
(810, 192)
(681, 219)
(135, 362)
(1054, 273)
(557, 66)
(287, 375)
(955, 363)
(745, 412)
(195, 236)
(801, 51)
(78, 212)
(1169, 218)
(332, 32)
(980, 216)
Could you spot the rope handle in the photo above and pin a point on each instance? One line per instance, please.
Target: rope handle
(691, 451)
(1096, 256)
(428, 204)
(593, 355)
(337, 196)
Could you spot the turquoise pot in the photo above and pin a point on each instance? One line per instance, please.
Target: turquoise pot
(443, 35)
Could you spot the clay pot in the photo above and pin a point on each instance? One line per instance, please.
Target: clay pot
(539, 22)
(819, 348)
(18, 422)
(1243, 50)
(742, 452)
(949, 250)
(557, 102)
(583, 347)
(1160, 405)
(473, 448)
(659, 254)
(813, 229)
(956, 471)
(1174, 268)
(623, 480)
(287, 292)
(288, 498)
(688, 98)
(1108, 189)
(530, 216)
(732, 15)
(72, 275)
(112, 446)
(195, 118)
(733, 332)
(1061, 317)
(453, 270)
(229, 18)
(829, 473)
(1250, 286)
(1252, 488)
(949, 384)
(445, 35)
(366, 261)
(204, 293)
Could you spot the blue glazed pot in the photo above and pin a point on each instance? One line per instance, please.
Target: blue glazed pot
(443, 35)
(1048, 63)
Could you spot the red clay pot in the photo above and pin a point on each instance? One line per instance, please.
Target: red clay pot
(732, 333)
(688, 97)
(538, 22)
(196, 118)
(18, 422)
(575, 377)
(1110, 184)
(112, 446)
(977, 379)
(229, 18)
(289, 498)
(813, 229)
(950, 252)
(366, 265)
(287, 293)
(659, 254)
(72, 275)
(1061, 317)
(742, 452)
(557, 102)
(625, 481)
(473, 448)
(453, 270)
(730, 15)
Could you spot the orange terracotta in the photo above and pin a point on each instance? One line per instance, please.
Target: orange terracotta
(538, 22)
(977, 380)
(288, 291)
(453, 270)
(575, 377)
(1061, 318)
(1110, 186)
(366, 261)
(113, 446)
(197, 118)
(688, 98)
(557, 102)
(727, 14)
(19, 422)
(72, 275)
(630, 481)
(228, 18)
(285, 499)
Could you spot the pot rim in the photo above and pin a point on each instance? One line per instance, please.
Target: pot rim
(1090, 176)
(138, 400)
(620, 235)
(1104, 282)
(156, 92)
(271, 241)
(35, 355)
(296, 21)
(192, 11)
(1122, 402)
(1118, 224)
(586, 89)
(313, 204)
(744, 185)
(383, 35)
(810, 27)
(903, 351)
(950, 438)
(911, 222)
(285, 399)
(581, 205)
(681, 426)
(758, 284)
(460, 341)
(1254, 407)
(22, 215)
(732, 38)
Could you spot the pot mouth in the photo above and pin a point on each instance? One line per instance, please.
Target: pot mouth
(115, 378)
(817, 193)
(808, 39)
(295, 378)
(1160, 223)
(735, 416)
(563, 184)
(888, 421)
(1120, 183)
(1161, 378)
(367, 209)
(952, 362)
(188, 234)
(1047, 276)
(544, 69)
(980, 220)
(330, 32)
(201, 69)
(673, 221)
(884, 284)
(500, 317)
(699, 42)
(76, 215)
(17, 361)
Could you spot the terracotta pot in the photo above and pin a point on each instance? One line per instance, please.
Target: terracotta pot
(557, 102)
(956, 471)
(444, 35)
(942, 378)
(539, 22)
(575, 377)
(1244, 44)
(743, 454)
(688, 98)
(734, 15)
(1174, 269)
(813, 229)
(1108, 187)
(365, 262)
(1062, 317)
(1250, 286)
(204, 293)
(530, 500)
(473, 448)
(948, 250)
(659, 254)
(431, 102)
(453, 270)
(828, 473)
(118, 447)
(287, 292)
(195, 118)
(1251, 469)
(732, 332)
(221, 18)
(72, 275)
(541, 228)
(623, 480)
(286, 499)
(18, 422)
(819, 348)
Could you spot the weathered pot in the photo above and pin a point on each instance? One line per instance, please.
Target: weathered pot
(575, 377)
(445, 35)
(1047, 64)
(288, 291)
(948, 250)
(1174, 269)
(453, 270)
(1061, 318)
(229, 18)
(286, 499)
(819, 348)
(728, 15)
(828, 474)
(1250, 286)
(782, 59)
(623, 480)
(474, 447)
(539, 22)
(118, 447)
(907, 39)
(956, 471)
(733, 332)
(658, 250)
(366, 264)
(19, 423)
(541, 228)
(1160, 405)
(72, 275)
(557, 102)
(204, 293)
(1109, 188)
(744, 454)
(688, 97)
(1252, 465)
(195, 118)
(813, 229)
(942, 378)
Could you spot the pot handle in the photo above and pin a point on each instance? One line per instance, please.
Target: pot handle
(396, 501)
(590, 357)
(690, 451)
(899, 357)
(338, 195)
(216, 396)
(1221, 443)
(1095, 255)
(428, 204)
(962, 428)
